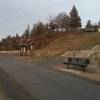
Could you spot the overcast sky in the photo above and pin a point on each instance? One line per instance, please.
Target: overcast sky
(16, 14)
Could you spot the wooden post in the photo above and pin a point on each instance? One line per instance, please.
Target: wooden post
(83, 68)
(31, 50)
(23, 50)
(20, 51)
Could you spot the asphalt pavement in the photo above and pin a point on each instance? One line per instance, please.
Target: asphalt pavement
(44, 83)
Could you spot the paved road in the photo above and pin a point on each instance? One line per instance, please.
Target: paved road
(43, 83)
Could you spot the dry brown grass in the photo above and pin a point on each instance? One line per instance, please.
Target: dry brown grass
(98, 58)
(75, 41)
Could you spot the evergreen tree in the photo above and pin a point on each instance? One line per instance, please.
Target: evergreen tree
(27, 32)
(75, 20)
(89, 24)
(40, 29)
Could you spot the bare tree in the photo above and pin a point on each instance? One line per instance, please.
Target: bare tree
(63, 21)
(59, 21)
(51, 23)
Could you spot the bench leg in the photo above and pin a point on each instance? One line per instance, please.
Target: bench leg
(83, 69)
(67, 66)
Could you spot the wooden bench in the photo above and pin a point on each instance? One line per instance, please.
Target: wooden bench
(82, 62)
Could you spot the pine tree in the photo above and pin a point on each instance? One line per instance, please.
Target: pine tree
(89, 24)
(27, 32)
(40, 29)
(75, 20)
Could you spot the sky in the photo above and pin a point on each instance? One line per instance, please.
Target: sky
(15, 15)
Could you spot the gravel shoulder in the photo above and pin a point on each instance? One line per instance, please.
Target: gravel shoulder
(91, 74)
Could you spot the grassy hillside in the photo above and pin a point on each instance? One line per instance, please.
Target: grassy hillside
(75, 41)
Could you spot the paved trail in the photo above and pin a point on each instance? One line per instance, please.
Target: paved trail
(43, 83)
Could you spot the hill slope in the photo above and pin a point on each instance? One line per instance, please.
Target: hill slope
(75, 41)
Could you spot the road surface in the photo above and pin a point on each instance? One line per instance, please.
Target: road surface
(44, 83)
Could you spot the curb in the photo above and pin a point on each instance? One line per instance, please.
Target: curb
(77, 76)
